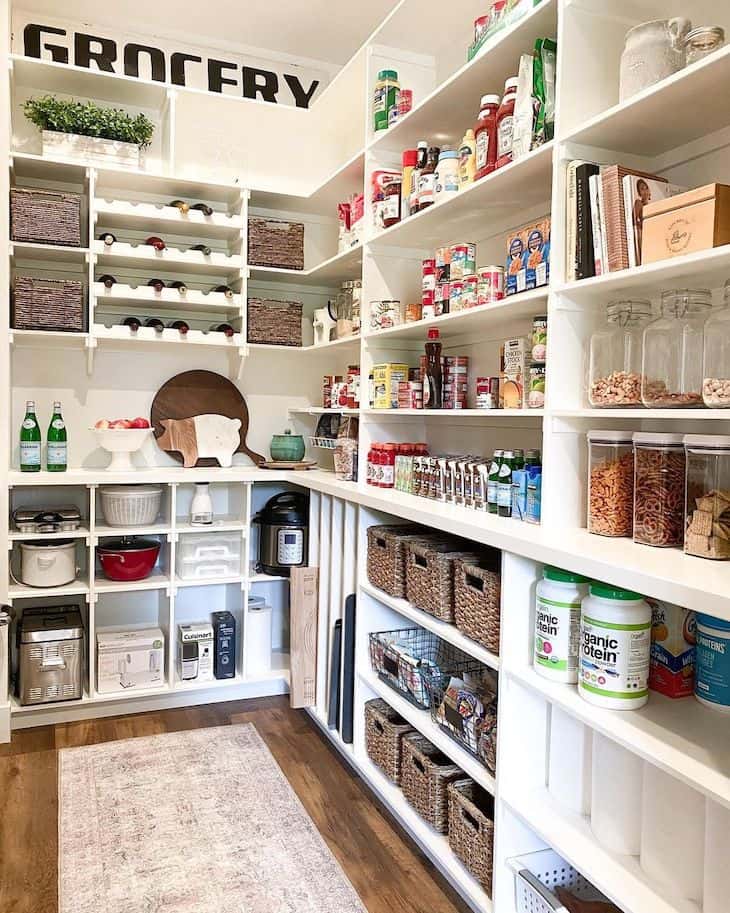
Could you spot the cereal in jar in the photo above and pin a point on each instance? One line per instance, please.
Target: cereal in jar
(611, 483)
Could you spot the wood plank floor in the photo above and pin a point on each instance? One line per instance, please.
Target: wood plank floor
(385, 867)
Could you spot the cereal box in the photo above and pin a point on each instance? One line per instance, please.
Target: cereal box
(528, 257)
(672, 668)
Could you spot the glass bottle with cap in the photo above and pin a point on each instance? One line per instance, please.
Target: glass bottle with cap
(703, 41)
(614, 364)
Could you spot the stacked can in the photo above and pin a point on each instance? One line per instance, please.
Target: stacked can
(490, 284)
(328, 382)
(443, 276)
(410, 394)
(428, 285)
(456, 381)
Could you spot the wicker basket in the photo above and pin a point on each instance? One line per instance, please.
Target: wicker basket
(425, 776)
(274, 322)
(45, 217)
(471, 829)
(384, 731)
(430, 576)
(272, 242)
(48, 304)
(387, 556)
(477, 589)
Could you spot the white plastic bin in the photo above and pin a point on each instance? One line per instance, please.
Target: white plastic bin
(536, 876)
(202, 557)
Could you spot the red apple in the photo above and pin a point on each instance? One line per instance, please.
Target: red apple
(120, 423)
(140, 422)
(102, 424)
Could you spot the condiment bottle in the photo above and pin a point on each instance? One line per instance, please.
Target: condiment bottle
(427, 179)
(467, 159)
(384, 97)
(447, 175)
(390, 206)
(505, 122)
(432, 381)
(485, 132)
(409, 162)
(422, 154)
(388, 466)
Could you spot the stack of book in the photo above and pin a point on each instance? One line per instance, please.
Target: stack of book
(605, 216)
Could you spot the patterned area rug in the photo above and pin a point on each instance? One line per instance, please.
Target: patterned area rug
(191, 822)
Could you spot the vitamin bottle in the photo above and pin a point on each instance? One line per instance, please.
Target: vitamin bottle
(485, 136)
(558, 598)
(505, 123)
(467, 159)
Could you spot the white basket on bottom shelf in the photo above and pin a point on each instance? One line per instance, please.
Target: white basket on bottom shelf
(536, 874)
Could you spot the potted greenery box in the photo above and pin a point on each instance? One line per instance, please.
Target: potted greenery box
(83, 129)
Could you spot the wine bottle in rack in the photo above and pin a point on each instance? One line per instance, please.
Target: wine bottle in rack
(203, 207)
(180, 325)
(157, 243)
(181, 205)
(157, 325)
(224, 289)
(203, 248)
(108, 280)
(157, 284)
(133, 323)
(224, 328)
(180, 286)
(108, 238)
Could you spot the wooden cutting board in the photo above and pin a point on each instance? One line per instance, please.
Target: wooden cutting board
(201, 393)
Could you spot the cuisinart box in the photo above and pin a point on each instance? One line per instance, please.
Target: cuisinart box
(195, 652)
(129, 658)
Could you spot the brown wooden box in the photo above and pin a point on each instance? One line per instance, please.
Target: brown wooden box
(696, 220)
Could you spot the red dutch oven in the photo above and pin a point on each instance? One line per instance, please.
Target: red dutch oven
(129, 558)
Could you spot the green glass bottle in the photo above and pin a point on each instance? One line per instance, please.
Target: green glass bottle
(492, 480)
(30, 441)
(504, 485)
(57, 449)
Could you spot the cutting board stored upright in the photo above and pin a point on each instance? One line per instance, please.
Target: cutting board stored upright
(198, 393)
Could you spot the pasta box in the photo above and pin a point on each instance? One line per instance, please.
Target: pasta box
(528, 257)
(696, 220)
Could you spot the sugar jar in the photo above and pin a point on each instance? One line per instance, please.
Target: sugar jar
(716, 362)
(614, 365)
(671, 375)
(707, 510)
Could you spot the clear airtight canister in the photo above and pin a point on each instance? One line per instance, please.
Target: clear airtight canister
(557, 624)
(615, 643)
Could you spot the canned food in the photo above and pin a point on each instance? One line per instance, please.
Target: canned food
(456, 292)
(490, 284)
(413, 312)
(469, 295)
(405, 101)
(536, 389)
(539, 338)
(463, 260)
(428, 274)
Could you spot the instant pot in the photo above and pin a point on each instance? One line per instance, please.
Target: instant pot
(284, 539)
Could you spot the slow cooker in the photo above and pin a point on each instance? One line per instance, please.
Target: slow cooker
(283, 542)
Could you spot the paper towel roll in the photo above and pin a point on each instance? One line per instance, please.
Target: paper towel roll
(258, 639)
(673, 835)
(717, 871)
(569, 774)
(616, 797)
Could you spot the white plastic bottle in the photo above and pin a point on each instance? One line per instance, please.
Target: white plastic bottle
(615, 643)
(557, 624)
(201, 509)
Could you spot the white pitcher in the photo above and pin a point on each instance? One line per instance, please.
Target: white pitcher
(653, 51)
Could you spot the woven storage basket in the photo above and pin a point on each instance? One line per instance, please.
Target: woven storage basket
(471, 829)
(387, 556)
(477, 589)
(430, 576)
(272, 242)
(45, 217)
(48, 304)
(275, 322)
(384, 731)
(425, 776)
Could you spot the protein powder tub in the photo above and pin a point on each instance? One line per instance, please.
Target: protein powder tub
(615, 646)
(557, 624)
(712, 680)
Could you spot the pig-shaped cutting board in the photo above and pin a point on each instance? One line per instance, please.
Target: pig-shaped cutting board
(201, 419)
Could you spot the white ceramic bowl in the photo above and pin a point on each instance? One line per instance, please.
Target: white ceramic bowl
(121, 443)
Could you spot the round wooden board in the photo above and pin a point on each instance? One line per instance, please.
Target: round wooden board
(201, 393)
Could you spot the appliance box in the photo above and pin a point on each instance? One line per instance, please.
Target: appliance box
(195, 652)
(128, 658)
(224, 631)
(696, 220)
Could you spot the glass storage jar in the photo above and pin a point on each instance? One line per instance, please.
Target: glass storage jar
(658, 488)
(614, 368)
(716, 360)
(671, 374)
(611, 483)
(703, 41)
(707, 512)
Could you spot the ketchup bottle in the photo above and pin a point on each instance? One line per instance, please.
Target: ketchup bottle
(485, 135)
(505, 123)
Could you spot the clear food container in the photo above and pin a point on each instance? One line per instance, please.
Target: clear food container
(671, 375)
(658, 488)
(707, 533)
(716, 362)
(610, 483)
(614, 370)
(208, 555)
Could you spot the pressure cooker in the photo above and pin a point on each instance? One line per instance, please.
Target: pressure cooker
(283, 540)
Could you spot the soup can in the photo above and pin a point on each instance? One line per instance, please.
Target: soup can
(491, 284)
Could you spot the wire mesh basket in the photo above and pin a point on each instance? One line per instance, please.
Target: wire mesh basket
(538, 874)
(324, 443)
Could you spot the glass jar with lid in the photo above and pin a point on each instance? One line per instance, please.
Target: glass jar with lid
(671, 374)
(716, 361)
(702, 41)
(614, 368)
(707, 510)
(610, 483)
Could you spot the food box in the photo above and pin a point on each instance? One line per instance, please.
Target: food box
(512, 390)
(696, 220)
(528, 257)
(672, 665)
(386, 378)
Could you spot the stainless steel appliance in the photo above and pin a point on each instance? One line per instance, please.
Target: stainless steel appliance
(283, 541)
(50, 645)
(47, 519)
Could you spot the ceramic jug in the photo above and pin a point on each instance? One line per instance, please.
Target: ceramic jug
(653, 51)
(287, 446)
(323, 324)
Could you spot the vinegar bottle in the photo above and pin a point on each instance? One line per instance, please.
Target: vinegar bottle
(432, 380)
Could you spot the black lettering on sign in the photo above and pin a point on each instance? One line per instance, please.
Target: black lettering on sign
(177, 67)
(131, 60)
(32, 42)
(216, 79)
(301, 97)
(104, 58)
(266, 89)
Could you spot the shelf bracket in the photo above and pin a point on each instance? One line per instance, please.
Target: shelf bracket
(91, 344)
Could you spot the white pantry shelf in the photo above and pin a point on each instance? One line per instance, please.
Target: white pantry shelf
(21, 251)
(638, 414)
(195, 685)
(153, 529)
(121, 255)
(122, 337)
(151, 218)
(21, 591)
(480, 414)
(237, 579)
(167, 298)
(47, 339)
(330, 272)
(157, 580)
(81, 533)
(220, 524)
(319, 410)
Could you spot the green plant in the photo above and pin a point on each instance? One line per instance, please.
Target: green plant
(88, 119)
